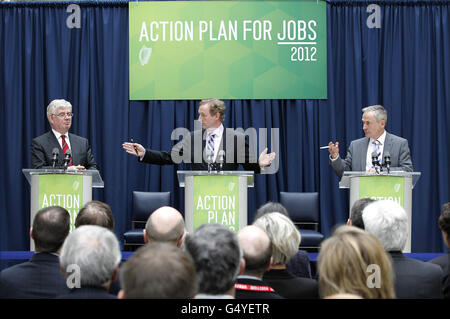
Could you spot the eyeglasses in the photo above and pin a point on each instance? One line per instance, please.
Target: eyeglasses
(63, 115)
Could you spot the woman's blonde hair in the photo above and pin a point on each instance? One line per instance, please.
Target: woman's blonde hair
(283, 234)
(354, 261)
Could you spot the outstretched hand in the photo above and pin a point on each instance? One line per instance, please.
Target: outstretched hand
(266, 159)
(334, 149)
(134, 149)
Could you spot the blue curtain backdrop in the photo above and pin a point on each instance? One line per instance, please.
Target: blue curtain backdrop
(403, 65)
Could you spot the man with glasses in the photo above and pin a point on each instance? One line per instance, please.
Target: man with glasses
(44, 147)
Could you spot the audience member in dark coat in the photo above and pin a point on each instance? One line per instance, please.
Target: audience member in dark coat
(90, 260)
(415, 278)
(299, 265)
(290, 286)
(99, 214)
(257, 250)
(444, 260)
(40, 277)
(285, 240)
(388, 222)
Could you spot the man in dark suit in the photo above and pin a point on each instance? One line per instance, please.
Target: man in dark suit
(257, 250)
(444, 260)
(211, 148)
(90, 260)
(59, 114)
(388, 222)
(40, 277)
(359, 154)
(217, 257)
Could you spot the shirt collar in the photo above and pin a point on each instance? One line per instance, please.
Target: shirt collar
(217, 131)
(381, 139)
(58, 135)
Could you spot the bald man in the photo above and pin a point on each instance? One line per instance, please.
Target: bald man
(166, 224)
(257, 250)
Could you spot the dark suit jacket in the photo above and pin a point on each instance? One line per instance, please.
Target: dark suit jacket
(190, 150)
(357, 155)
(87, 293)
(415, 278)
(249, 294)
(289, 286)
(42, 147)
(299, 265)
(40, 277)
(444, 262)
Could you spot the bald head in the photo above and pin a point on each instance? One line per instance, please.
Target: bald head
(165, 224)
(257, 250)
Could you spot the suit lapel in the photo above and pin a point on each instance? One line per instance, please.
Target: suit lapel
(203, 164)
(387, 146)
(73, 149)
(223, 144)
(363, 154)
(53, 142)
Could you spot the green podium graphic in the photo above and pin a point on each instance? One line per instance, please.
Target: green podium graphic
(215, 197)
(57, 187)
(396, 186)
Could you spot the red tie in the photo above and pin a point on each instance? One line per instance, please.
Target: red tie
(65, 147)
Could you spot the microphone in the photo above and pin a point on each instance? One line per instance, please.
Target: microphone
(375, 162)
(67, 158)
(387, 160)
(221, 156)
(375, 159)
(55, 154)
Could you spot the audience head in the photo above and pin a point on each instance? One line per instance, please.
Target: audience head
(270, 207)
(345, 263)
(283, 234)
(165, 224)
(95, 213)
(388, 222)
(444, 223)
(51, 225)
(158, 270)
(257, 250)
(95, 250)
(356, 212)
(217, 256)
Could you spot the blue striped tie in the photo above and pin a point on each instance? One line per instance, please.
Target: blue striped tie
(210, 146)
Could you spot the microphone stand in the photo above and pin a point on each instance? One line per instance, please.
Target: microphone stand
(221, 158)
(387, 161)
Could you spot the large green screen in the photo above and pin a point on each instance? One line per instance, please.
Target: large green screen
(228, 50)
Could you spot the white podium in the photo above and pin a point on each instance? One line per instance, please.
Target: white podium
(396, 186)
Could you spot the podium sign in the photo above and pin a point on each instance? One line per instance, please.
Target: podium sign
(215, 197)
(383, 187)
(61, 190)
(216, 200)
